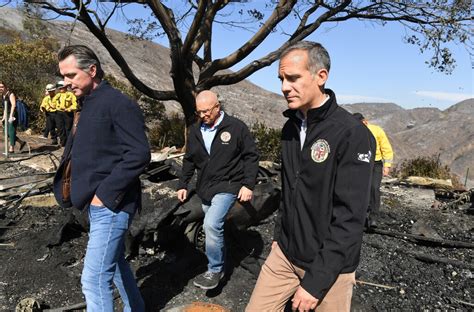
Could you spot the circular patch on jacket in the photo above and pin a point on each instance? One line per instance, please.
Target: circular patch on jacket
(320, 150)
(225, 136)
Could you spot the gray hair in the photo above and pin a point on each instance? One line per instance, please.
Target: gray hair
(318, 56)
(85, 57)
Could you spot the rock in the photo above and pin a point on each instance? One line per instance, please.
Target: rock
(44, 163)
(164, 154)
(421, 227)
(44, 200)
(28, 305)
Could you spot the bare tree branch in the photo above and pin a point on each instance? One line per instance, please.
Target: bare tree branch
(118, 58)
(279, 13)
(6, 3)
(299, 34)
(61, 11)
(306, 15)
(204, 36)
(166, 18)
(195, 26)
(110, 15)
(429, 25)
(302, 32)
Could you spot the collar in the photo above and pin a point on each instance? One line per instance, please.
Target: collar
(300, 115)
(315, 114)
(103, 85)
(215, 125)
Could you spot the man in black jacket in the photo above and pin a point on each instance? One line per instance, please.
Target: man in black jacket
(223, 151)
(327, 160)
(107, 151)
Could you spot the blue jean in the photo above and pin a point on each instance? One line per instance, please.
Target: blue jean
(105, 263)
(215, 213)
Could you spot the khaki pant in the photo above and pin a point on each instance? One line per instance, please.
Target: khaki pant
(279, 279)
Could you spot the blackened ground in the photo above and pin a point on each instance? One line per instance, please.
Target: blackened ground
(165, 273)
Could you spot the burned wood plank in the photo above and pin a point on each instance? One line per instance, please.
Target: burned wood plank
(435, 259)
(424, 239)
(463, 302)
(11, 227)
(10, 183)
(35, 189)
(9, 161)
(427, 258)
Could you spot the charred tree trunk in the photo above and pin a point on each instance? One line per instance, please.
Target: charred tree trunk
(183, 81)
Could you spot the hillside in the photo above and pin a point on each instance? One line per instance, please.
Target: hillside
(428, 131)
(413, 132)
(150, 62)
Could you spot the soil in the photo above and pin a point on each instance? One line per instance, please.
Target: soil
(389, 275)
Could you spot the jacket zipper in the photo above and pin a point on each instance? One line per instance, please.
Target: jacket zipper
(293, 201)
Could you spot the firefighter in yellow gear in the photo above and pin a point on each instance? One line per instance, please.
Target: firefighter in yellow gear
(67, 100)
(382, 165)
(48, 107)
(384, 152)
(67, 105)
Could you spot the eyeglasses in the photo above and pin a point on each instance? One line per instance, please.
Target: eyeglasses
(206, 111)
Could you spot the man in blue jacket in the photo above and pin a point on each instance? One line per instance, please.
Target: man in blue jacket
(223, 151)
(327, 159)
(106, 152)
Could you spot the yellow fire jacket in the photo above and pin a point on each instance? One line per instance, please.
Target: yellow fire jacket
(67, 101)
(384, 149)
(48, 104)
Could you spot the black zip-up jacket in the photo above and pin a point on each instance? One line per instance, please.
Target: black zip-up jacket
(325, 193)
(233, 161)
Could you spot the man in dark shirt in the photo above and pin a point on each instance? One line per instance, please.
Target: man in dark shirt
(106, 153)
(327, 160)
(223, 151)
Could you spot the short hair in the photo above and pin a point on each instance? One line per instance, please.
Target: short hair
(359, 116)
(318, 56)
(85, 57)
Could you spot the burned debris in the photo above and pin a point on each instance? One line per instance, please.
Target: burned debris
(419, 257)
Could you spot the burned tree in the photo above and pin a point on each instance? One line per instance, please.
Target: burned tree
(188, 27)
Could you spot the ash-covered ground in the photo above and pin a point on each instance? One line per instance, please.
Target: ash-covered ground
(396, 273)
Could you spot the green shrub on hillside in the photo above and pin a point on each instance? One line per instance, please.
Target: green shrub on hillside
(168, 132)
(8, 36)
(424, 166)
(268, 141)
(153, 110)
(126, 89)
(26, 68)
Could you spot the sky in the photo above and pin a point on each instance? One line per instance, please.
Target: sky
(370, 63)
